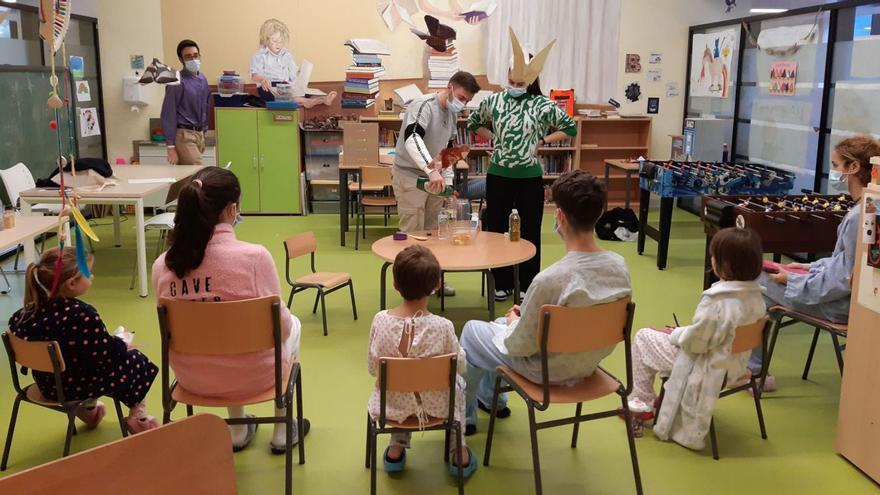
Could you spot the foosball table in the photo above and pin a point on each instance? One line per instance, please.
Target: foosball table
(672, 179)
(787, 224)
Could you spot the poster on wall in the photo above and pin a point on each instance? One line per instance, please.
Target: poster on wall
(783, 78)
(77, 67)
(633, 63)
(653, 105)
(672, 89)
(655, 75)
(88, 122)
(655, 58)
(83, 92)
(711, 60)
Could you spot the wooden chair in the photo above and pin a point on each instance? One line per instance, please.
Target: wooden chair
(747, 338)
(562, 330)
(229, 328)
(373, 177)
(193, 455)
(360, 147)
(836, 330)
(408, 375)
(325, 282)
(46, 357)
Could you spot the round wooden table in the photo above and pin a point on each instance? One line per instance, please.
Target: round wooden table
(486, 251)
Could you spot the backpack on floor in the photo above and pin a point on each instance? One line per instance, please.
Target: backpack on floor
(618, 224)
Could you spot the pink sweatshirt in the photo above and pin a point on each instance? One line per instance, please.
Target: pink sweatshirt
(231, 270)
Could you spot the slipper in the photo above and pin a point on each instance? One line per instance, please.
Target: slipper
(251, 431)
(468, 470)
(502, 413)
(394, 466)
(138, 421)
(279, 449)
(91, 415)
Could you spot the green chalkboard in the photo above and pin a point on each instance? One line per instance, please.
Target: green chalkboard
(25, 135)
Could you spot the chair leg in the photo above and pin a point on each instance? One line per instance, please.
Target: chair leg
(290, 298)
(317, 299)
(536, 462)
(8, 288)
(369, 441)
(491, 431)
(354, 311)
(189, 410)
(373, 466)
(758, 409)
(837, 352)
(121, 418)
(288, 455)
(713, 439)
(300, 421)
(577, 424)
(12, 419)
(446, 443)
(810, 355)
(765, 366)
(460, 470)
(71, 431)
(323, 311)
(660, 399)
(630, 437)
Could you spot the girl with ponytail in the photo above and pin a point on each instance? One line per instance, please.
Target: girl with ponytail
(205, 262)
(97, 363)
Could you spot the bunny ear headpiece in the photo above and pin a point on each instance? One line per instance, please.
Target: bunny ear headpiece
(527, 72)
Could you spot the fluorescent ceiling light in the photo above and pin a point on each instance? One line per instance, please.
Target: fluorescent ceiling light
(768, 11)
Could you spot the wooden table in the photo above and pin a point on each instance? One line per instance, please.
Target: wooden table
(26, 228)
(123, 193)
(487, 251)
(628, 168)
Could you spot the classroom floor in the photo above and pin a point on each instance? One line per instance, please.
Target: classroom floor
(798, 456)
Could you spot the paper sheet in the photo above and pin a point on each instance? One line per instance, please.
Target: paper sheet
(158, 180)
(302, 78)
(408, 93)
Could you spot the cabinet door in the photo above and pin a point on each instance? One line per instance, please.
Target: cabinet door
(237, 142)
(279, 162)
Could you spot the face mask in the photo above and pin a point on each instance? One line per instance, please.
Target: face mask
(453, 104)
(238, 219)
(557, 230)
(837, 182)
(193, 65)
(515, 92)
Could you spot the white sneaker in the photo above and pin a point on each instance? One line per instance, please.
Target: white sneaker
(448, 290)
(502, 295)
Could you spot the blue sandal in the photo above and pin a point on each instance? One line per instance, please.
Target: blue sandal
(466, 471)
(394, 466)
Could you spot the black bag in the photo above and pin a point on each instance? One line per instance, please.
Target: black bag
(99, 165)
(612, 220)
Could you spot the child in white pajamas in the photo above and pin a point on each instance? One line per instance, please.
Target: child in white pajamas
(697, 357)
(410, 330)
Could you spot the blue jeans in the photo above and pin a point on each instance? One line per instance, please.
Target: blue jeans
(482, 359)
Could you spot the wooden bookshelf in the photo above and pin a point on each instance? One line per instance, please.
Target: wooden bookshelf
(601, 139)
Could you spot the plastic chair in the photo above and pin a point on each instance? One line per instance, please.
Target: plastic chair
(325, 282)
(44, 356)
(836, 330)
(563, 330)
(373, 178)
(229, 328)
(414, 375)
(19, 178)
(747, 338)
(193, 455)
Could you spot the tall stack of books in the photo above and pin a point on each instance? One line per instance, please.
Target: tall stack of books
(362, 77)
(442, 65)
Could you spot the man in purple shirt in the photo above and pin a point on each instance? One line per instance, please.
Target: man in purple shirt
(185, 109)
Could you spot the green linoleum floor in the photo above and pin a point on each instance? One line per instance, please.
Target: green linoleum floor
(798, 456)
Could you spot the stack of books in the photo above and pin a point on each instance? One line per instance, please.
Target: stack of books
(442, 65)
(362, 77)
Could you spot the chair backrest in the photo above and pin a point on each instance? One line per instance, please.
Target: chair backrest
(360, 143)
(36, 355)
(190, 455)
(376, 176)
(426, 374)
(749, 336)
(584, 329)
(16, 179)
(300, 244)
(234, 327)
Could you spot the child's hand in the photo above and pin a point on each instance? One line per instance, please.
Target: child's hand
(799, 266)
(125, 336)
(666, 330)
(780, 277)
(515, 310)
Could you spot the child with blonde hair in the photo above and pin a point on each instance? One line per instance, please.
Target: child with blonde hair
(96, 362)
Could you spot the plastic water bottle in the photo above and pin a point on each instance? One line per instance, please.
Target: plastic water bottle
(513, 225)
(443, 224)
(725, 154)
(475, 223)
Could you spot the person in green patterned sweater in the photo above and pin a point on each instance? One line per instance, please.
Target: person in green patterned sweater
(522, 119)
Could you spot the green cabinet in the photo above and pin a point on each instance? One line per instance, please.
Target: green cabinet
(263, 148)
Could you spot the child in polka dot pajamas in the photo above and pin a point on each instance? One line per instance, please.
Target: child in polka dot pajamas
(96, 363)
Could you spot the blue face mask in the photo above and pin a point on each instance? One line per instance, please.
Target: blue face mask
(515, 92)
(193, 65)
(836, 181)
(453, 104)
(238, 219)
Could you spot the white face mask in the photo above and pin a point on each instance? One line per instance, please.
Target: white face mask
(557, 229)
(453, 104)
(837, 181)
(515, 92)
(193, 65)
